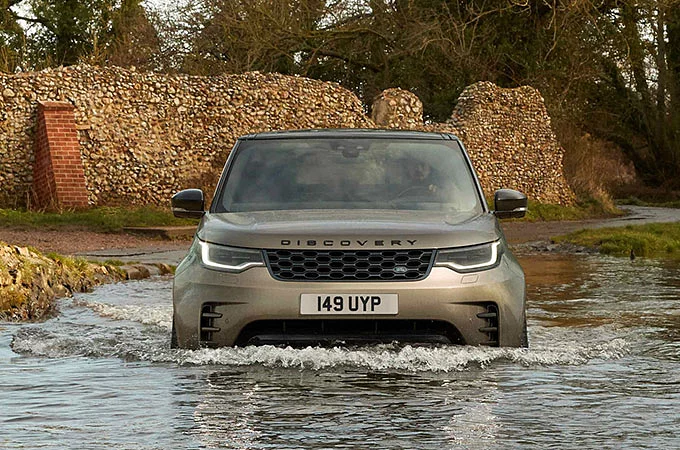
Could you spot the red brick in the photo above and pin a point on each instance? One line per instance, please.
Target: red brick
(58, 176)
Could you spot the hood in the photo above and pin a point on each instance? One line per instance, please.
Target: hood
(348, 229)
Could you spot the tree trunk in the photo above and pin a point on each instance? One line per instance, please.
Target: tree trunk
(673, 77)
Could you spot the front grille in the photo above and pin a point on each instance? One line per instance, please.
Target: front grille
(349, 265)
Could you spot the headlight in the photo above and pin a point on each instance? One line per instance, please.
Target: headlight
(470, 259)
(229, 259)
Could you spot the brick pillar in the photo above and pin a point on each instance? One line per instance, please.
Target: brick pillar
(58, 176)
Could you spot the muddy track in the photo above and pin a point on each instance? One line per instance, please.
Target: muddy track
(128, 247)
(522, 232)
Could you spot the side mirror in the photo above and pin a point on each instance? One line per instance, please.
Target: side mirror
(188, 203)
(509, 204)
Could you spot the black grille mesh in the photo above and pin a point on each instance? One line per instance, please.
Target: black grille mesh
(349, 265)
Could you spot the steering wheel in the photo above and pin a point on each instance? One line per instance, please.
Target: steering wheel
(415, 191)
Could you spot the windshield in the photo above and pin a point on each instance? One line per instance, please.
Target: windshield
(298, 174)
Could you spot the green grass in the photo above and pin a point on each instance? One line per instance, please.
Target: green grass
(588, 209)
(637, 202)
(113, 262)
(102, 219)
(78, 264)
(114, 219)
(653, 240)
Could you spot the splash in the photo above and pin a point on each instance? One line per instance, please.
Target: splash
(151, 344)
(406, 358)
(158, 315)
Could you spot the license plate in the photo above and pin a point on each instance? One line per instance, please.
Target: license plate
(349, 304)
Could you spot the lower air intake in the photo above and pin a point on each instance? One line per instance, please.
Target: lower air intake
(350, 332)
(491, 326)
(208, 317)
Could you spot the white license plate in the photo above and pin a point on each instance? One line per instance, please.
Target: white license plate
(349, 304)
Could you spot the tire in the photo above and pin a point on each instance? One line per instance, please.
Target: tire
(173, 336)
(524, 339)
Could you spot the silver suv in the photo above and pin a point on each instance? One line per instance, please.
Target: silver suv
(348, 236)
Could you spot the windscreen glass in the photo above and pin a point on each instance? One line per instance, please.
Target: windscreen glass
(398, 174)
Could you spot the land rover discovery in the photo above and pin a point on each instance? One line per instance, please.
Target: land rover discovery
(351, 237)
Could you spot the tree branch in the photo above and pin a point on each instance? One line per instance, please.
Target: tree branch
(37, 20)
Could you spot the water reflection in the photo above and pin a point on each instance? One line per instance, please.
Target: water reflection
(570, 290)
(258, 408)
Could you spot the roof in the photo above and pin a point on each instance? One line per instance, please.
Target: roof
(347, 133)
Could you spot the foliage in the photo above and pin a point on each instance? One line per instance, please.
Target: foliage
(610, 69)
(634, 100)
(103, 219)
(372, 45)
(11, 37)
(67, 29)
(133, 39)
(66, 32)
(654, 240)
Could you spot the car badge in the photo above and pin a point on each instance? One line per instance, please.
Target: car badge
(400, 269)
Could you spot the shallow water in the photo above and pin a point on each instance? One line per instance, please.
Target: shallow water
(602, 370)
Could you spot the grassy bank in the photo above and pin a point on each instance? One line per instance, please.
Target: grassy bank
(589, 209)
(31, 281)
(114, 219)
(653, 240)
(637, 202)
(102, 219)
(546, 212)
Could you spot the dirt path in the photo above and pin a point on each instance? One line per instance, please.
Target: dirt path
(134, 248)
(73, 242)
(521, 232)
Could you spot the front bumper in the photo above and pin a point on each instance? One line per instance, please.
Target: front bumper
(233, 301)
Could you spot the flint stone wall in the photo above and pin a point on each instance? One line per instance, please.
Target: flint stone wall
(144, 136)
(508, 134)
(398, 108)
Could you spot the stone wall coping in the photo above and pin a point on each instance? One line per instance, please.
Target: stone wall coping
(56, 106)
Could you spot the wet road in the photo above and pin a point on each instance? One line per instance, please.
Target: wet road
(602, 371)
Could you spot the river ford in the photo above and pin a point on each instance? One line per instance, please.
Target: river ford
(602, 371)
